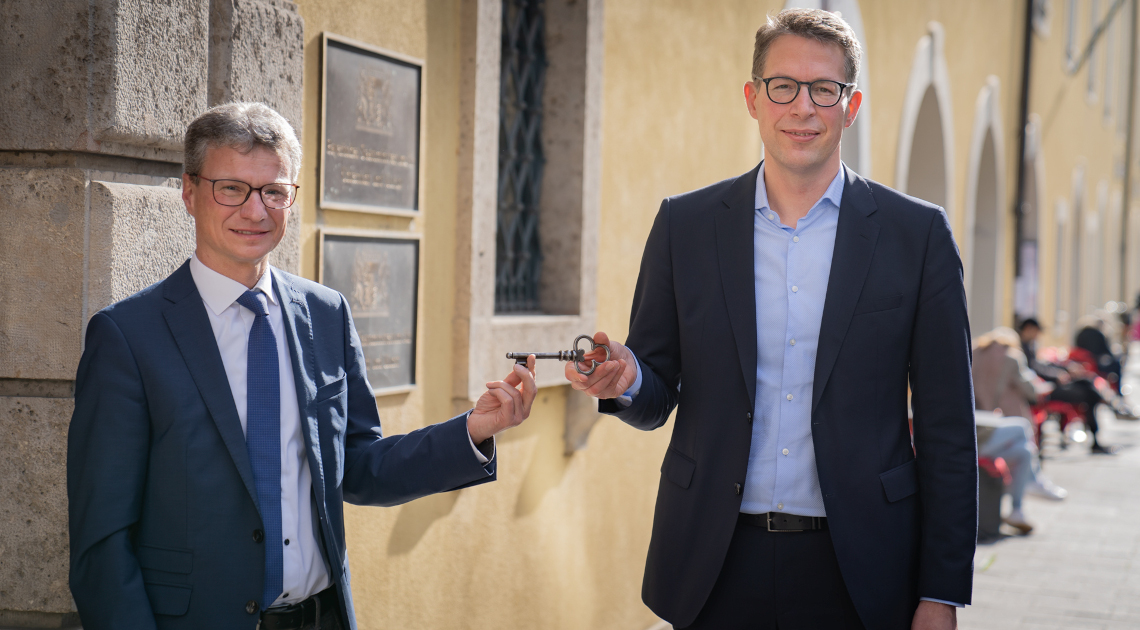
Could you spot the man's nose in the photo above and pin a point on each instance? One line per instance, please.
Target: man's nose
(802, 103)
(254, 208)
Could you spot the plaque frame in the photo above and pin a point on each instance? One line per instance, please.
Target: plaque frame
(388, 55)
(384, 235)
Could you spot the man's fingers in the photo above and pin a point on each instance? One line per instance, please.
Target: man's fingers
(601, 338)
(529, 390)
(516, 401)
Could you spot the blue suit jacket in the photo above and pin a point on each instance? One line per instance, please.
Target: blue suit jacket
(894, 313)
(161, 494)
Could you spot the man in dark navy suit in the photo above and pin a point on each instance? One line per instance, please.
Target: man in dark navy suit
(223, 415)
(784, 314)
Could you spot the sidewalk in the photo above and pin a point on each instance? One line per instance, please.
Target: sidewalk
(1080, 568)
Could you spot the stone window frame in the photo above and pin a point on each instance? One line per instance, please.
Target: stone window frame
(570, 234)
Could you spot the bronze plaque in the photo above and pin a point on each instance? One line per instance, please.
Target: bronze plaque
(371, 130)
(379, 277)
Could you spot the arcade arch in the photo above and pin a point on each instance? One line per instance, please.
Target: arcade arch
(985, 222)
(925, 162)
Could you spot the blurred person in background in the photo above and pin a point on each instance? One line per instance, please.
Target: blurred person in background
(1071, 383)
(1003, 393)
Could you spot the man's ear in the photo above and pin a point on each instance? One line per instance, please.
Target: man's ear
(188, 191)
(750, 92)
(853, 105)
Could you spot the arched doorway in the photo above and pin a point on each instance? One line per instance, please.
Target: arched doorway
(985, 221)
(924, 166)
(856, 147)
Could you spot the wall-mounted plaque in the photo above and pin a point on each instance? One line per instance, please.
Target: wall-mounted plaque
(379, 276)
(370, 131)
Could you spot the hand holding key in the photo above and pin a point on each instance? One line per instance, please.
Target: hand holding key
(614, 371)
(577, 355)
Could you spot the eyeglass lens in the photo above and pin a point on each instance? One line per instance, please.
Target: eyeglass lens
(231, 192)
(824, 93)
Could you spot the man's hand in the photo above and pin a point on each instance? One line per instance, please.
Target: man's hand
(503, 405)
(934, 616)
(612, 378)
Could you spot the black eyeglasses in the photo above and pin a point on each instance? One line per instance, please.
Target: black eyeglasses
(784, 90)
(234, 192)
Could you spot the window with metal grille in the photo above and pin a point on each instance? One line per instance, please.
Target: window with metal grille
(518, 263)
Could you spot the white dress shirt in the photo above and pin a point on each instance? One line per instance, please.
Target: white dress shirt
(305, 572)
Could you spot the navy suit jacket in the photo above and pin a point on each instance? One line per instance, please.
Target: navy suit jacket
(162, 503)
(894, 314)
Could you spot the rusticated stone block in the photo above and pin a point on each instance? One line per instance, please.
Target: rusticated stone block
(33, 505)
(138, 236)
(257, 54)
(41, 272)
(113, 76)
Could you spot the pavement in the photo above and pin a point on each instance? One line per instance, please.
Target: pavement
(1080, 567)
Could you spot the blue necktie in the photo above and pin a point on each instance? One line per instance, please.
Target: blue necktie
(263, 436)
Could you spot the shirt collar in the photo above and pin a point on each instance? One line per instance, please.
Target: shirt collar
(220, 292)
(834, 192)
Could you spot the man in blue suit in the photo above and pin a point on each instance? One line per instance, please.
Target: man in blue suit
(223, 415)
(783, 313)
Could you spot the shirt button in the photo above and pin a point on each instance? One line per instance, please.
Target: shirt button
(789, 396)
(251, 607)
(795, 289)
(258, 535)
(792, 342)
(785, 451)
(771, 217)
(779, 506)
(795, 239)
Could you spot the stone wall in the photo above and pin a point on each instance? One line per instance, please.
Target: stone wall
(95, 97)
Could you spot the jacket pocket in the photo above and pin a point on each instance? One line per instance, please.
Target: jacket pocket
(900, 482)
(168, 599)
(330, 390)
(874, 305)
(166, 560)
(678, 468)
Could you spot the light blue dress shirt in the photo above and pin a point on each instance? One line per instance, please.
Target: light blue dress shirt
(792, 268)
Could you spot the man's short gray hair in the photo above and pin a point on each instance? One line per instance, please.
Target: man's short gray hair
(243, 127)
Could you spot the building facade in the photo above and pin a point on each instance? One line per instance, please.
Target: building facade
(543, 136)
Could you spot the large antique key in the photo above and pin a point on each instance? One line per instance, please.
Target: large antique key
(577, 355)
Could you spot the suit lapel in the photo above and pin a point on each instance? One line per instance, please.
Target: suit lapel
(299, 338)
(855, 237)
(735, 244)
(190, 325)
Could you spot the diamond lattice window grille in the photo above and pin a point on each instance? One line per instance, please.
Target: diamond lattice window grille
(518, 263)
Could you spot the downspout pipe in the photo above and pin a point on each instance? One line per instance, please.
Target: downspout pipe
(1129, 148)
(1022, 121)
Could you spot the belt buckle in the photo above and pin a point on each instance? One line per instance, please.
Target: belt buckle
(779, 531)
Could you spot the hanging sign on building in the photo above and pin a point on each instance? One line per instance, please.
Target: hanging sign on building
(370, 129)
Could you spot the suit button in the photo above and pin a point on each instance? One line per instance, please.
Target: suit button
(749, 416)
(258, 535)
(251, 607)
(737, 488)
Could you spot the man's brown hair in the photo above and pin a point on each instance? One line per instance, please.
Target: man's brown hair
(822, 26)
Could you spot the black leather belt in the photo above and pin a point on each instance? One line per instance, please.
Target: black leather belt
(780, 522)
(305, 612)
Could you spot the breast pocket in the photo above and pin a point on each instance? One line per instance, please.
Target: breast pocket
(877, 304)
